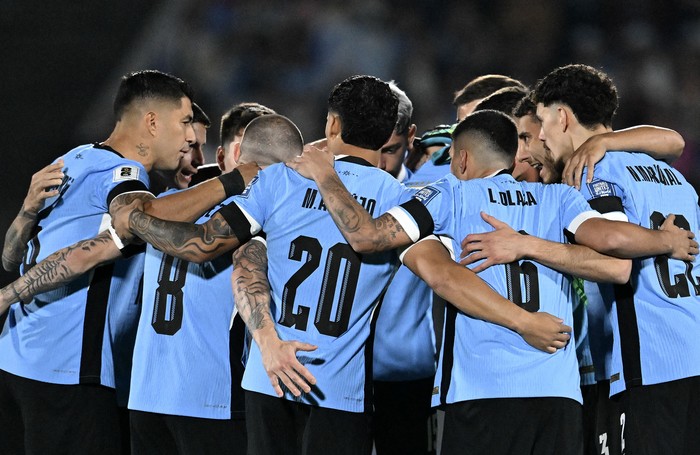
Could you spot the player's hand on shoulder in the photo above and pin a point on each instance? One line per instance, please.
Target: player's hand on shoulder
(44, 184)
(283, 367)
(545, 332)
(586, 155)
(683, 243)
(313, 162)
(500, 246)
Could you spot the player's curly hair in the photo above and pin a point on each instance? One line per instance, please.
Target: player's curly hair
(367, 109)
(589, 92)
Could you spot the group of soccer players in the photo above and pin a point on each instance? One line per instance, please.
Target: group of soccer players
(572, 327)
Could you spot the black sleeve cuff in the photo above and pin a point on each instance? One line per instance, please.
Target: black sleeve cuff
(237, 221)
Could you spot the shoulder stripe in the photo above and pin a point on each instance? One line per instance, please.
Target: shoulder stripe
(129, 186)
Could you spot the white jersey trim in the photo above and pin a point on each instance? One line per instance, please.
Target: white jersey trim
(406, 222)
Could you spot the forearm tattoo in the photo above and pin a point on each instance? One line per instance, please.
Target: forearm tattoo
(16, 239)
(54, 271)
(192, 242)
(353, 220)
(251, 289)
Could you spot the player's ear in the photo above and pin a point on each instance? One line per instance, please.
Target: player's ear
(564, 117)
(220, 154)
(150, 119)
(236, 150)
(333, 126)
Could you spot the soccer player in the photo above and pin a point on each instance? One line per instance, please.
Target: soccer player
(465, 100)
(656, 359)
(60, 346)
(185, 340)
(324, 292)
(499, 379)
(397, 148)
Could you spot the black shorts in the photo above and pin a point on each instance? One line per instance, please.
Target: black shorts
(404, 422)
(513, 426)
(279, 427)
(162, 433)
(662, 418)
(38, 417)
(602, 435)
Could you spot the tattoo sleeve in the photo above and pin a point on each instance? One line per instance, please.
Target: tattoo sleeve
(364, 233)
(251, 289)
(62, 267)
(191, 242)
(16, 239)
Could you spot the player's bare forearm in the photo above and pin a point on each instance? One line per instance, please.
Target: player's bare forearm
(470, 294)
(61, 267)
(251, 289)
(364, 233)
(191, 242)
(187, 205)
(16, 238)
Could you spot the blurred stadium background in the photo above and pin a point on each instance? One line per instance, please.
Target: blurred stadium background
(61, 61)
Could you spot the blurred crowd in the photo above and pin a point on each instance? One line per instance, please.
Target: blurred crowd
(287, 54)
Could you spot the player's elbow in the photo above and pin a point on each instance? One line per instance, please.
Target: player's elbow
(677, 145)
(619, 271)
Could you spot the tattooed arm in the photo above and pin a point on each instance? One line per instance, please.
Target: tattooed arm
(191, 242)
(60, 268)
(44, 185)
(364, 233)
(251, 291)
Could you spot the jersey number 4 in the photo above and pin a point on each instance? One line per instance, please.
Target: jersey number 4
(338, 255)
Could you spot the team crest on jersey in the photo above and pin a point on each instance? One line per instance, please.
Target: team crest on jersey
(246, 192)
(600, 188)
(125, 173)
(426, 194)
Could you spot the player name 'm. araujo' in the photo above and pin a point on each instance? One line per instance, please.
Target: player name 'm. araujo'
(313, 200)
(515, 197)
(653, 174)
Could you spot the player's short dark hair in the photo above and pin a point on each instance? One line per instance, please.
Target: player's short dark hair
(270, 139)
(238, 117)
(149, 84)
(496, 130)
(483, 86)
(199, 116)
(525, 107)
(503, 100)
(404, 117)
(367, 109)
(589, 92)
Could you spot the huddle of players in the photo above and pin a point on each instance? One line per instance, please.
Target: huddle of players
(181, 386)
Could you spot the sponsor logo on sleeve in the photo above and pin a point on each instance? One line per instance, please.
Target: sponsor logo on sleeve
(600, 188)
(426, 194)
(246, 192)
(125, 173)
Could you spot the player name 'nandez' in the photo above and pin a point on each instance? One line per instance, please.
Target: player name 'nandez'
(653, 174)
(313, 200)
(516, 197)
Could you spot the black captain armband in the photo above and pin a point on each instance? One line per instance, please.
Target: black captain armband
(233, 183)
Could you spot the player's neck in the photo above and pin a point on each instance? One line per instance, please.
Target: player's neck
(580, 134)
(371, 156)
(131, 147)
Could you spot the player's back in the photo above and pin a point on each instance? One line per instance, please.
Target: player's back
(324, 293)
(483, 360)
(183, 337)
(654, 327)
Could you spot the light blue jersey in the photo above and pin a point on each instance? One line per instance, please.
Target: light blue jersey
(483, 360)
(428, 173)
(656, 318)
(182, 363)
(323, 292)
(67, 336)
